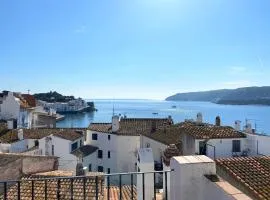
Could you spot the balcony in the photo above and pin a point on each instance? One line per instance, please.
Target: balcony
(94, 187)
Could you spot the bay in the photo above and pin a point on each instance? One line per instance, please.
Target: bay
(259, 116)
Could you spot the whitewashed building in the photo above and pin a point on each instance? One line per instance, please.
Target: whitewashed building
(118, 142)
(21, 111)
(50, 142)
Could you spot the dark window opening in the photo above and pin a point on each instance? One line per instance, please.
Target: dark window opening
(236, 146)
(100, 154)
(36, 143)
(109, 170)
(89, 167)
(109, 137)
(109, 154)
(52, 150)
(74, 146)
(100, 169)
(202, 148)
(94, 136)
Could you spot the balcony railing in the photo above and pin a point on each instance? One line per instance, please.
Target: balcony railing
(120, 186)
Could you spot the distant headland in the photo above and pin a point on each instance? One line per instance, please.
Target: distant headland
(239, 96)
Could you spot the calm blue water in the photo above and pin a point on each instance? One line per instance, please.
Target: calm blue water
(259, 115)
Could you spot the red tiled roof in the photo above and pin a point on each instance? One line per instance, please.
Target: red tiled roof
(68, 134)
(126, 192)
(133, 126)
(64, 189)
(209, 131)
(251, 173)
(30, 99)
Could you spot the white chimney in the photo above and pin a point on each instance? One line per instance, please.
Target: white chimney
(115, 123)
(199, 118)
(237, 125)
(248, 128)
(20, 134)
(10, 124)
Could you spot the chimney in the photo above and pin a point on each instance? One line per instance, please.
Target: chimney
(199, 118)
(115, 123)
(20, 134)
(248, 128)
(237, 125)
(79, 169)
(218, 121)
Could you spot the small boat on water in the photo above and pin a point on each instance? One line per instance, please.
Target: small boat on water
(173, 106)
(155, 113)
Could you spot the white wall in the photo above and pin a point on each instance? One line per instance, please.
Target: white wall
(187, 181)
(223, 147)
(259, 144)
(62, 150)
(10, 108)
(104, 144)
(157, 147)
(145, 164)
(91, 159)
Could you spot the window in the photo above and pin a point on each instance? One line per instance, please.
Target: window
(109, 154)
(100, 154)
(89, 167)
(94, 136)
(109, 137)
(236, 146)
(109, 170)
(36, 143)
(100, 169)
(52, 150)
(80, 143)
(147, 145)
(74, 146)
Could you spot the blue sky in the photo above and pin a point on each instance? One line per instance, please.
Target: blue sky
(133, 48)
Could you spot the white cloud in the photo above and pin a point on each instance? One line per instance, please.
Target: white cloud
(81, 29)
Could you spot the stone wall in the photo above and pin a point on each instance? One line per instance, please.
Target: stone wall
(14, 166)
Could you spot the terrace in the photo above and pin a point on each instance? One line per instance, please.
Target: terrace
(55, 185)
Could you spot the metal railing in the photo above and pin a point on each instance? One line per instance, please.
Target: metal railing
(86, 187)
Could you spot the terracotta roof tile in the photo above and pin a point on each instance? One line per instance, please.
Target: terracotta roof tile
(252, 173)
(126, 192)
(30, 99)
(69, 134)
(133, 126)
(209, 131)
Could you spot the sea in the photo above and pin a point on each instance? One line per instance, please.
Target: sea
(258, 116)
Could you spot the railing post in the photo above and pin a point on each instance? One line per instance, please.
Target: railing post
(19, 190)
(166, 187)
(96, 181)
(108, 187)
(58, 189)
(32, 190)
(154, 186)
(120, 187)
(71, 188)
(45, 189)
(143, 186)
(131, 176)
(84, 185)
(5, 190)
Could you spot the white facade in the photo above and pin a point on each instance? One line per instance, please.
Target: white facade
(122, 150)
(188, 180)
(56, 146)
(145, 164)
(222, 147)
(11, 109)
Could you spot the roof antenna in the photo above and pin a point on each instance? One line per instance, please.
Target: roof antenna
(28, 91)
(113, 108)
